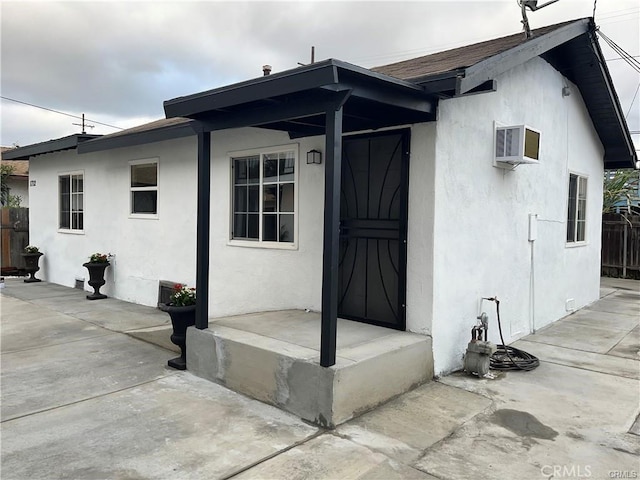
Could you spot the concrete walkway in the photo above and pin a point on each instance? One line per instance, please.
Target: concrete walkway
(86, 395)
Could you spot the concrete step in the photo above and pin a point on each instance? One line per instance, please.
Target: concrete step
(274, 357)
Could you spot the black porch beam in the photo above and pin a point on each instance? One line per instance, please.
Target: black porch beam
(409, 100)
(312, 105)
(332, 178)
(203, 227)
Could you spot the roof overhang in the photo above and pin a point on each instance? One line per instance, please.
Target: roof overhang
(574, 51)
(581, 61)
(50, 146)
(296, 101)
(149, 133)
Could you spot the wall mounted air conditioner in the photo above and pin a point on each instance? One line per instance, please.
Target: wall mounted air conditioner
(516, 144)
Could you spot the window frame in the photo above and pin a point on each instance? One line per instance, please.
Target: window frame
(71, 174)
(578, 203)
(261, 152)
(132, 189)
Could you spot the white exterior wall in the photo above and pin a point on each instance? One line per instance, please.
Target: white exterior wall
(420, 231)
(146, 250)
(242, 279)
(252, 278)
(481, 246)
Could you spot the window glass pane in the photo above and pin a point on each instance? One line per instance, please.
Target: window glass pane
(287, 166)
(270, 228)
(286, 197)
(571, 210)
(64, 219)
(286, 228)
(144, 175)
(240, 225)
(253, 166)
(581, 231)
(263, 187)
(76, 221)
(269, 199)
(80, 217)
(582, 188)
(252, 227)
(240, 171)
(270, 172)
(65, 185)
(582, 209)
(240, 199)
(65, 202)
(77, 184)
(144, 202)
(74, 203)
(254, 198)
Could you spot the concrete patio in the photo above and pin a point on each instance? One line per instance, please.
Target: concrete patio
(84, 398)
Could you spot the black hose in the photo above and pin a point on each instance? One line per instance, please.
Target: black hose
(510, 358)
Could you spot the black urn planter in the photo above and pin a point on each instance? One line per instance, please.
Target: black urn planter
(96, 278)
(181, 318)
(31, 266)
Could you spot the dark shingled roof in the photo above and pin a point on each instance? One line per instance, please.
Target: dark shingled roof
(158, 130)
(458, 58)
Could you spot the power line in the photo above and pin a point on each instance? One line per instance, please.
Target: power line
(619, 58)
(632, 100)
(59, 112)
(635, 64)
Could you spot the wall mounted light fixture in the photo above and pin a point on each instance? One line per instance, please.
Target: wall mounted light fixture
(314, 156)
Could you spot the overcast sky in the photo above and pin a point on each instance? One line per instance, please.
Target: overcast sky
(118, 61)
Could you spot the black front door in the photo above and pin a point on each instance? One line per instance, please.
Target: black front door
(373, 228)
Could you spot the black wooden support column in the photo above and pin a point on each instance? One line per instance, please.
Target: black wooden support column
(203, 225)
(332, 177)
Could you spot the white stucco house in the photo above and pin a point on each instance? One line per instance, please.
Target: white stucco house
(443, 179)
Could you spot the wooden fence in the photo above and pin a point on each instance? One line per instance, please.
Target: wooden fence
(621, 245)
(14, 236)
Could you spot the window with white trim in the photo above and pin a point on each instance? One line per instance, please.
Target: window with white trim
(144, 187)
(577, 209)
(71, 199)
(264, 189)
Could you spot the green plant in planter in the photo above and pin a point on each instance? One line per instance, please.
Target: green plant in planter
(182, 310)
(99, 258)
(31, 258)
(96, 265)
(182, 296)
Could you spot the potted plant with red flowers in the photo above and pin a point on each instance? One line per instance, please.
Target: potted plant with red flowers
(31, 257)
(97, 264)
(182, 310)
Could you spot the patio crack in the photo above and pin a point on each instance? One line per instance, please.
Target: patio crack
(275, 454)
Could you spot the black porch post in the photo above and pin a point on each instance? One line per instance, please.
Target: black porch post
(203, 221)
(332, 177)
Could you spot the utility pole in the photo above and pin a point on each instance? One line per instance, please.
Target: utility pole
(83, 125)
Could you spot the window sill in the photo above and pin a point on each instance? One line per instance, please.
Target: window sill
(144, 216)
(576, 244)
(71, 232)
(262, 245)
